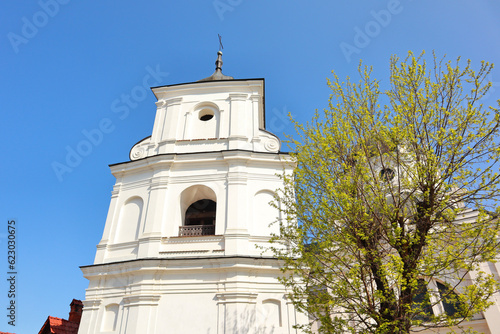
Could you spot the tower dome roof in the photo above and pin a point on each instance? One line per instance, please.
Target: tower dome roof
(217, 75)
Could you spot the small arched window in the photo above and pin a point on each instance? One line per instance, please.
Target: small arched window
(199, 218)
(387, 174)
(434, 299)
(449, 300)
(422, 303)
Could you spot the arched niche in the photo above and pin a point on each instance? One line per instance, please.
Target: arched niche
(130, 220)
(265, 215)
(198, 207)
(205, 121)
(271, 313)
(110, 318)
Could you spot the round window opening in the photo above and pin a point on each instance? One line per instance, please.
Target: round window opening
(206, 115)
(387, 174)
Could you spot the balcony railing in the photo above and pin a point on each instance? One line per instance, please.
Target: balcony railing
(196, 230)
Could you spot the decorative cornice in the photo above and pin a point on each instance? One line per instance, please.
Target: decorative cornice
(238, 97)
(160, 104)
(237, 297)
(237, 178)
(135, 184)
(170, 156)
(173, 101)
(160, 182)
(136, 300)
(195, 239)
(200, 251)
(116, 190)
(154, 262)
(123, 245)
(148, 238)
(92, 304)
(255, 97)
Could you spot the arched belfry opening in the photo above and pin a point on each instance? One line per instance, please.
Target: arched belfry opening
(199, 218)
(199, 207)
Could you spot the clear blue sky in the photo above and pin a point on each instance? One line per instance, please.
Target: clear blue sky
(67, 67)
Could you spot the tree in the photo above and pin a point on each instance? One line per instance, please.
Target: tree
(391, 209)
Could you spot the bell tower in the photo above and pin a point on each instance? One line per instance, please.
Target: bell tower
(181, 250)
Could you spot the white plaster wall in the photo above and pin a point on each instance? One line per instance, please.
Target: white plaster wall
(220, 295)
(188, 313)
(242, 183)
(265, 216)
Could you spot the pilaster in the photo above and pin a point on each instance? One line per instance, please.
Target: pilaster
(236, 311)
(159, 121)
(169, 131)
(89, 323)
(237, 219)
(140, 313)
(239, 120)
(107, 234)
(149, 243)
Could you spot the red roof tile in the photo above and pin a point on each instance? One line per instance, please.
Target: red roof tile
(59, 326)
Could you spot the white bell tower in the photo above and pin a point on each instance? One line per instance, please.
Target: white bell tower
(180, 249)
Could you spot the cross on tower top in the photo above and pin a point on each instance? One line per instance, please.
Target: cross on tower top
(220, 42)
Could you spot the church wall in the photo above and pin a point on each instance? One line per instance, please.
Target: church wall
(189, 296)
(208, 143)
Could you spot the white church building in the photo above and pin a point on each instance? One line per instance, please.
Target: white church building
(183, 244)
(180, 249)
